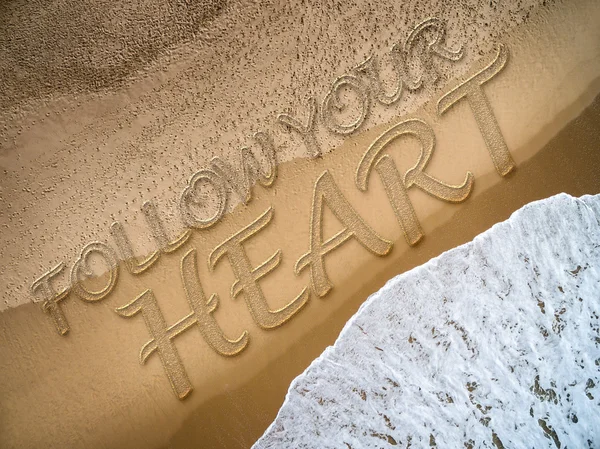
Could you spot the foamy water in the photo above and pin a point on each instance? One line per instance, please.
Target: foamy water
(492, 344)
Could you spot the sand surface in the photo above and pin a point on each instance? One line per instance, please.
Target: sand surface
(77, 155)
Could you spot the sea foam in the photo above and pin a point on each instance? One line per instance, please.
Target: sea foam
(495, 343)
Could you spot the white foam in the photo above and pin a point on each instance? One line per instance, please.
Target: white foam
(495, 343)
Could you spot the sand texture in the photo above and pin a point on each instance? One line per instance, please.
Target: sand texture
(104, 107)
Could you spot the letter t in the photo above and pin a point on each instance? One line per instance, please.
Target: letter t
(482, 111)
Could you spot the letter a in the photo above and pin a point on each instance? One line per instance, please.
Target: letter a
(328, 193)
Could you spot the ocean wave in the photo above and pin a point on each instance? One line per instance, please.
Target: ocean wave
(495, 343)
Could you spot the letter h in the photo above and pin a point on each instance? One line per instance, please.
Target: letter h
(162, 335)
